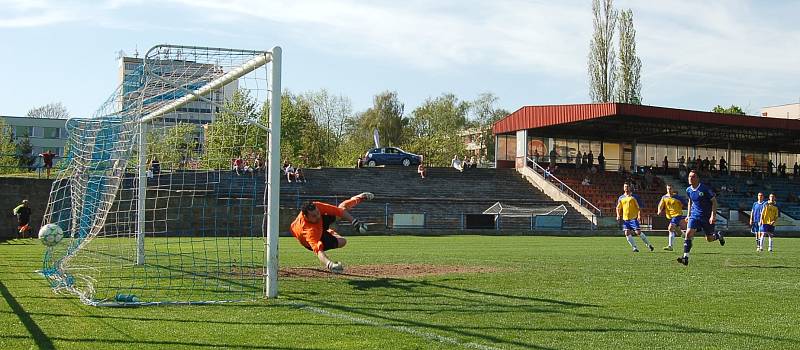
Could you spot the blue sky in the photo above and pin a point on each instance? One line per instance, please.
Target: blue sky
(695, 54)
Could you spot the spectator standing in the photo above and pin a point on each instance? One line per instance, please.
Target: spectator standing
(665, 164)
(723, 165)
(796, 169)
(578, 160)
(590, 159)
(47, 157)
(601, 161)
(536, 156)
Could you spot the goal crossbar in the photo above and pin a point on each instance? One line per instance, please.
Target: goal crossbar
(258, 61)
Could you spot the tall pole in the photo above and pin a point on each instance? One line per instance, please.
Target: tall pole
(272, 210)
(142, 194)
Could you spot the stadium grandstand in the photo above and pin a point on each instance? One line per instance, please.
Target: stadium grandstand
(649, 147)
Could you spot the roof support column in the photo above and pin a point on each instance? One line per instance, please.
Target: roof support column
(728, 159)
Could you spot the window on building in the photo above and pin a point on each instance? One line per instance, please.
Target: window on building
(22, 132)
(506, 147)
(52, 133)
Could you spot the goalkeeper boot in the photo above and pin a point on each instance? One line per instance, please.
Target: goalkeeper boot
(367, 195)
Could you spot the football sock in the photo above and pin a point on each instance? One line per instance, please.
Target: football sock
(761, 242)
(644, 239)
(770, 243)
(757, 244)
(671, 237)
(687, 246)
(631, 241)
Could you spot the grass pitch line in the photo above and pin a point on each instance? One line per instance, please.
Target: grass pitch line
(402, 329)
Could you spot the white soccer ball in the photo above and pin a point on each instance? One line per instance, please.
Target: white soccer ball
(51, 234)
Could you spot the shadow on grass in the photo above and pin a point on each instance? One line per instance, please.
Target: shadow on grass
(41, 339)
(409, 285)
(485, 302)
(761, 267)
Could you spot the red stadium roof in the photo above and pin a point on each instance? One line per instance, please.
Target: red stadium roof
(649, 124)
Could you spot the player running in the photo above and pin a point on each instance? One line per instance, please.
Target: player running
(672, 205)
(702, 215)
(23, 213)
(769, 216)
(628, 205)
(755, 219)
(312, 227)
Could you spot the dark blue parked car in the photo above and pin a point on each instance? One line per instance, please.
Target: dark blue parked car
(391, 156)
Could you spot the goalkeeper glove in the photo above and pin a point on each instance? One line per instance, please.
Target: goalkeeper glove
(335, 267)
(359, 226)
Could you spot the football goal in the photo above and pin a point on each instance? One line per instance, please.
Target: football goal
(170, 190)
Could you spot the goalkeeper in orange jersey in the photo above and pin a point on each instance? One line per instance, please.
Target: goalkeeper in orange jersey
(312, 227)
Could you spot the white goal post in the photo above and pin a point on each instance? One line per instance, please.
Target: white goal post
(271, 210)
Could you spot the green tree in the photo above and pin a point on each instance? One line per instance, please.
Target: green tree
(330, 114)
(435, 129)
(629, 84)
(733, 109)
(602, 59)
(484, 115)
(8, 161)
(232, 134)
(24, 153)
(386, 115)
(172, 145)
(299, 131)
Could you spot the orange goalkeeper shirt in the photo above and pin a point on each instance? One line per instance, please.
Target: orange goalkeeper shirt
(310, 235)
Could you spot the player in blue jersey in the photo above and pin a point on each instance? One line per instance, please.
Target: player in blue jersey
(702, 215)
(755, 218)
(628, 205)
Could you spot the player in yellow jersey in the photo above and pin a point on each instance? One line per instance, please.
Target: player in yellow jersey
(769, 216)
(672, 205)
(628, 213)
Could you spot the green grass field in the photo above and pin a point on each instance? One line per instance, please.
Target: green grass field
(546, 293)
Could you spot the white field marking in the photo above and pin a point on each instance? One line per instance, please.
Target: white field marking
(403, 329)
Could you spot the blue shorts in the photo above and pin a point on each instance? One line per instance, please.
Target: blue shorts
(632, 224)
(755, 228)
(767, 228)
(701, 225)
(676, 220)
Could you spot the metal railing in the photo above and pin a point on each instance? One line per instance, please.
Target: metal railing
(564, 187)
(381, 216)
(10, 164)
